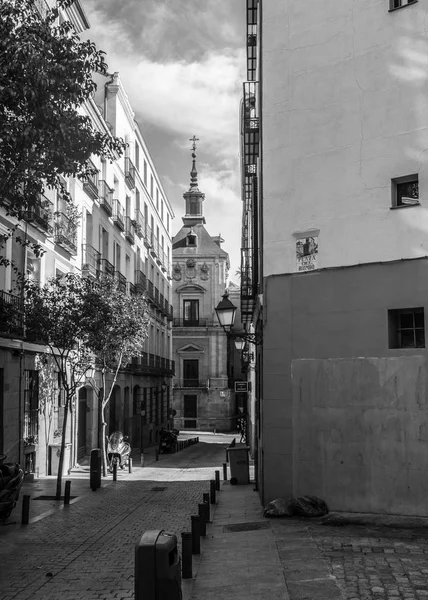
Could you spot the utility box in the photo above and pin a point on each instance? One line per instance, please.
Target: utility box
(239, 464)
(54, 453)
(157, 567)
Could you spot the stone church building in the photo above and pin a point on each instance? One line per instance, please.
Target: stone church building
(203, 398)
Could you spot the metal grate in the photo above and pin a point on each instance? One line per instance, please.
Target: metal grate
(246, 526)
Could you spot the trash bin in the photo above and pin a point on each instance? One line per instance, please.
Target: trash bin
(157, 567)
(54, 452)
(95, 473)
(239, 464)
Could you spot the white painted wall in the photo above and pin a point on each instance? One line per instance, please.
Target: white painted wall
(345, 109)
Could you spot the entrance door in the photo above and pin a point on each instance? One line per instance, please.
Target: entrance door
(191, 373)
(190, 409)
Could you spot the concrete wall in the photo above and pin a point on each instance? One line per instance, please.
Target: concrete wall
(361, 433)
(345, 99)
(331, 314)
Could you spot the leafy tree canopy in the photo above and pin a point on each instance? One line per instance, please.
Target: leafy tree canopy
(46, 75)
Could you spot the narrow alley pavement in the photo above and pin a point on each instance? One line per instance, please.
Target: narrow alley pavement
(86, 551)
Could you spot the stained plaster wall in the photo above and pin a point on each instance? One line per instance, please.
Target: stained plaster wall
(345, 99)
(335, 314)
(361, 433)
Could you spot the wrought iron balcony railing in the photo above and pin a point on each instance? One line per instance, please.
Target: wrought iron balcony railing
(193, 322)
(106, 268)
(140, 224)
(90, 261)
(65, 233)
(131, 288)
(90, 183)
(11, 315)
(148, 237)
(41, 215)
(140, 282)
(130, 230)
(129, 173)
(106, 197)
(121, 280)
(190, 383)
(118, 214)
(152, 364)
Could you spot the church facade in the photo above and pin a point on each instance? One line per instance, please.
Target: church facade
(203, 398)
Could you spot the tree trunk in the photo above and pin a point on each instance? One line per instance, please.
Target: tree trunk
(103, 439)
(62, 451)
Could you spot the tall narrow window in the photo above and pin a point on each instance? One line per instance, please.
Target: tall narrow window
(191, 313)
(190, 372)
(137, 156)
(145, 173)
(151, 186)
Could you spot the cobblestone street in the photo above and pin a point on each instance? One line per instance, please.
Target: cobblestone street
(87, 550)
(376, 562)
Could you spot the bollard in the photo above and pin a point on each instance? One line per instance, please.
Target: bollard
(186, 555)
(67, 492)
(130, 465)
(217, 480)
(212, 491)
(224, 471)
(156, 454)
(95, 469)
(206, 500)
(202, 519)
(114, 471)
(25, 510)
(196, 534)
(142, 460)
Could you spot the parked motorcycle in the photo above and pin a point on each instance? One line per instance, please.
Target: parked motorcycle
(167, 440)
(11, 480)
(118, 450)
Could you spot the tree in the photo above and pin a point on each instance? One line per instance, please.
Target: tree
(60, 315)
(46, 77)
(118, 333)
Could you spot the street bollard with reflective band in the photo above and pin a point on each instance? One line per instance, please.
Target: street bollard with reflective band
(130, 465)
(224, 471)
(67, 493)
(196, 534)
(142, 460)
(115, 471)
(95, 469)
(206, 500)
(186, 555)
(217, 480)
(202, 519)
(157, 572)
(212, 491)
(25, 510)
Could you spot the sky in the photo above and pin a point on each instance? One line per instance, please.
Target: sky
(182, 63)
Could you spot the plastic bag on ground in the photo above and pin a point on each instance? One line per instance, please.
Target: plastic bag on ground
(303, 506)
(276, 508)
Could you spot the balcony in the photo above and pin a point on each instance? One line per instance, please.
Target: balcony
(106, 268)
(106, 197)
(121, 281)
(90, 183)
(140, 282)
(150, 291)
(118, 215)
(65, 233)
(193, 322)
(148, 237)
(90, 261)
(40, 215)
(130, 230)
(191, 383)
(140, 224)
(152, 364)
(131, 288)
(11, 315)
(129, 173)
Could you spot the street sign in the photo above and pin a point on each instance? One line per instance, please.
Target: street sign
(241, 386)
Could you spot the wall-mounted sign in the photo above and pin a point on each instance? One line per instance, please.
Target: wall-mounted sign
(307, 253)
(241, 386)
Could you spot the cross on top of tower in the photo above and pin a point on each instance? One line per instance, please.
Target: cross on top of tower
(194, 139)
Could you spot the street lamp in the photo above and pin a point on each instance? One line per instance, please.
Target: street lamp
(226, 313)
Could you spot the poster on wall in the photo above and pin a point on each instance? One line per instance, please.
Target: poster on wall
(307, 253)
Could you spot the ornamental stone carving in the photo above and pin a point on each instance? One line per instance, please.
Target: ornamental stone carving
(205, 272)
(190, 268)
(176, 272)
